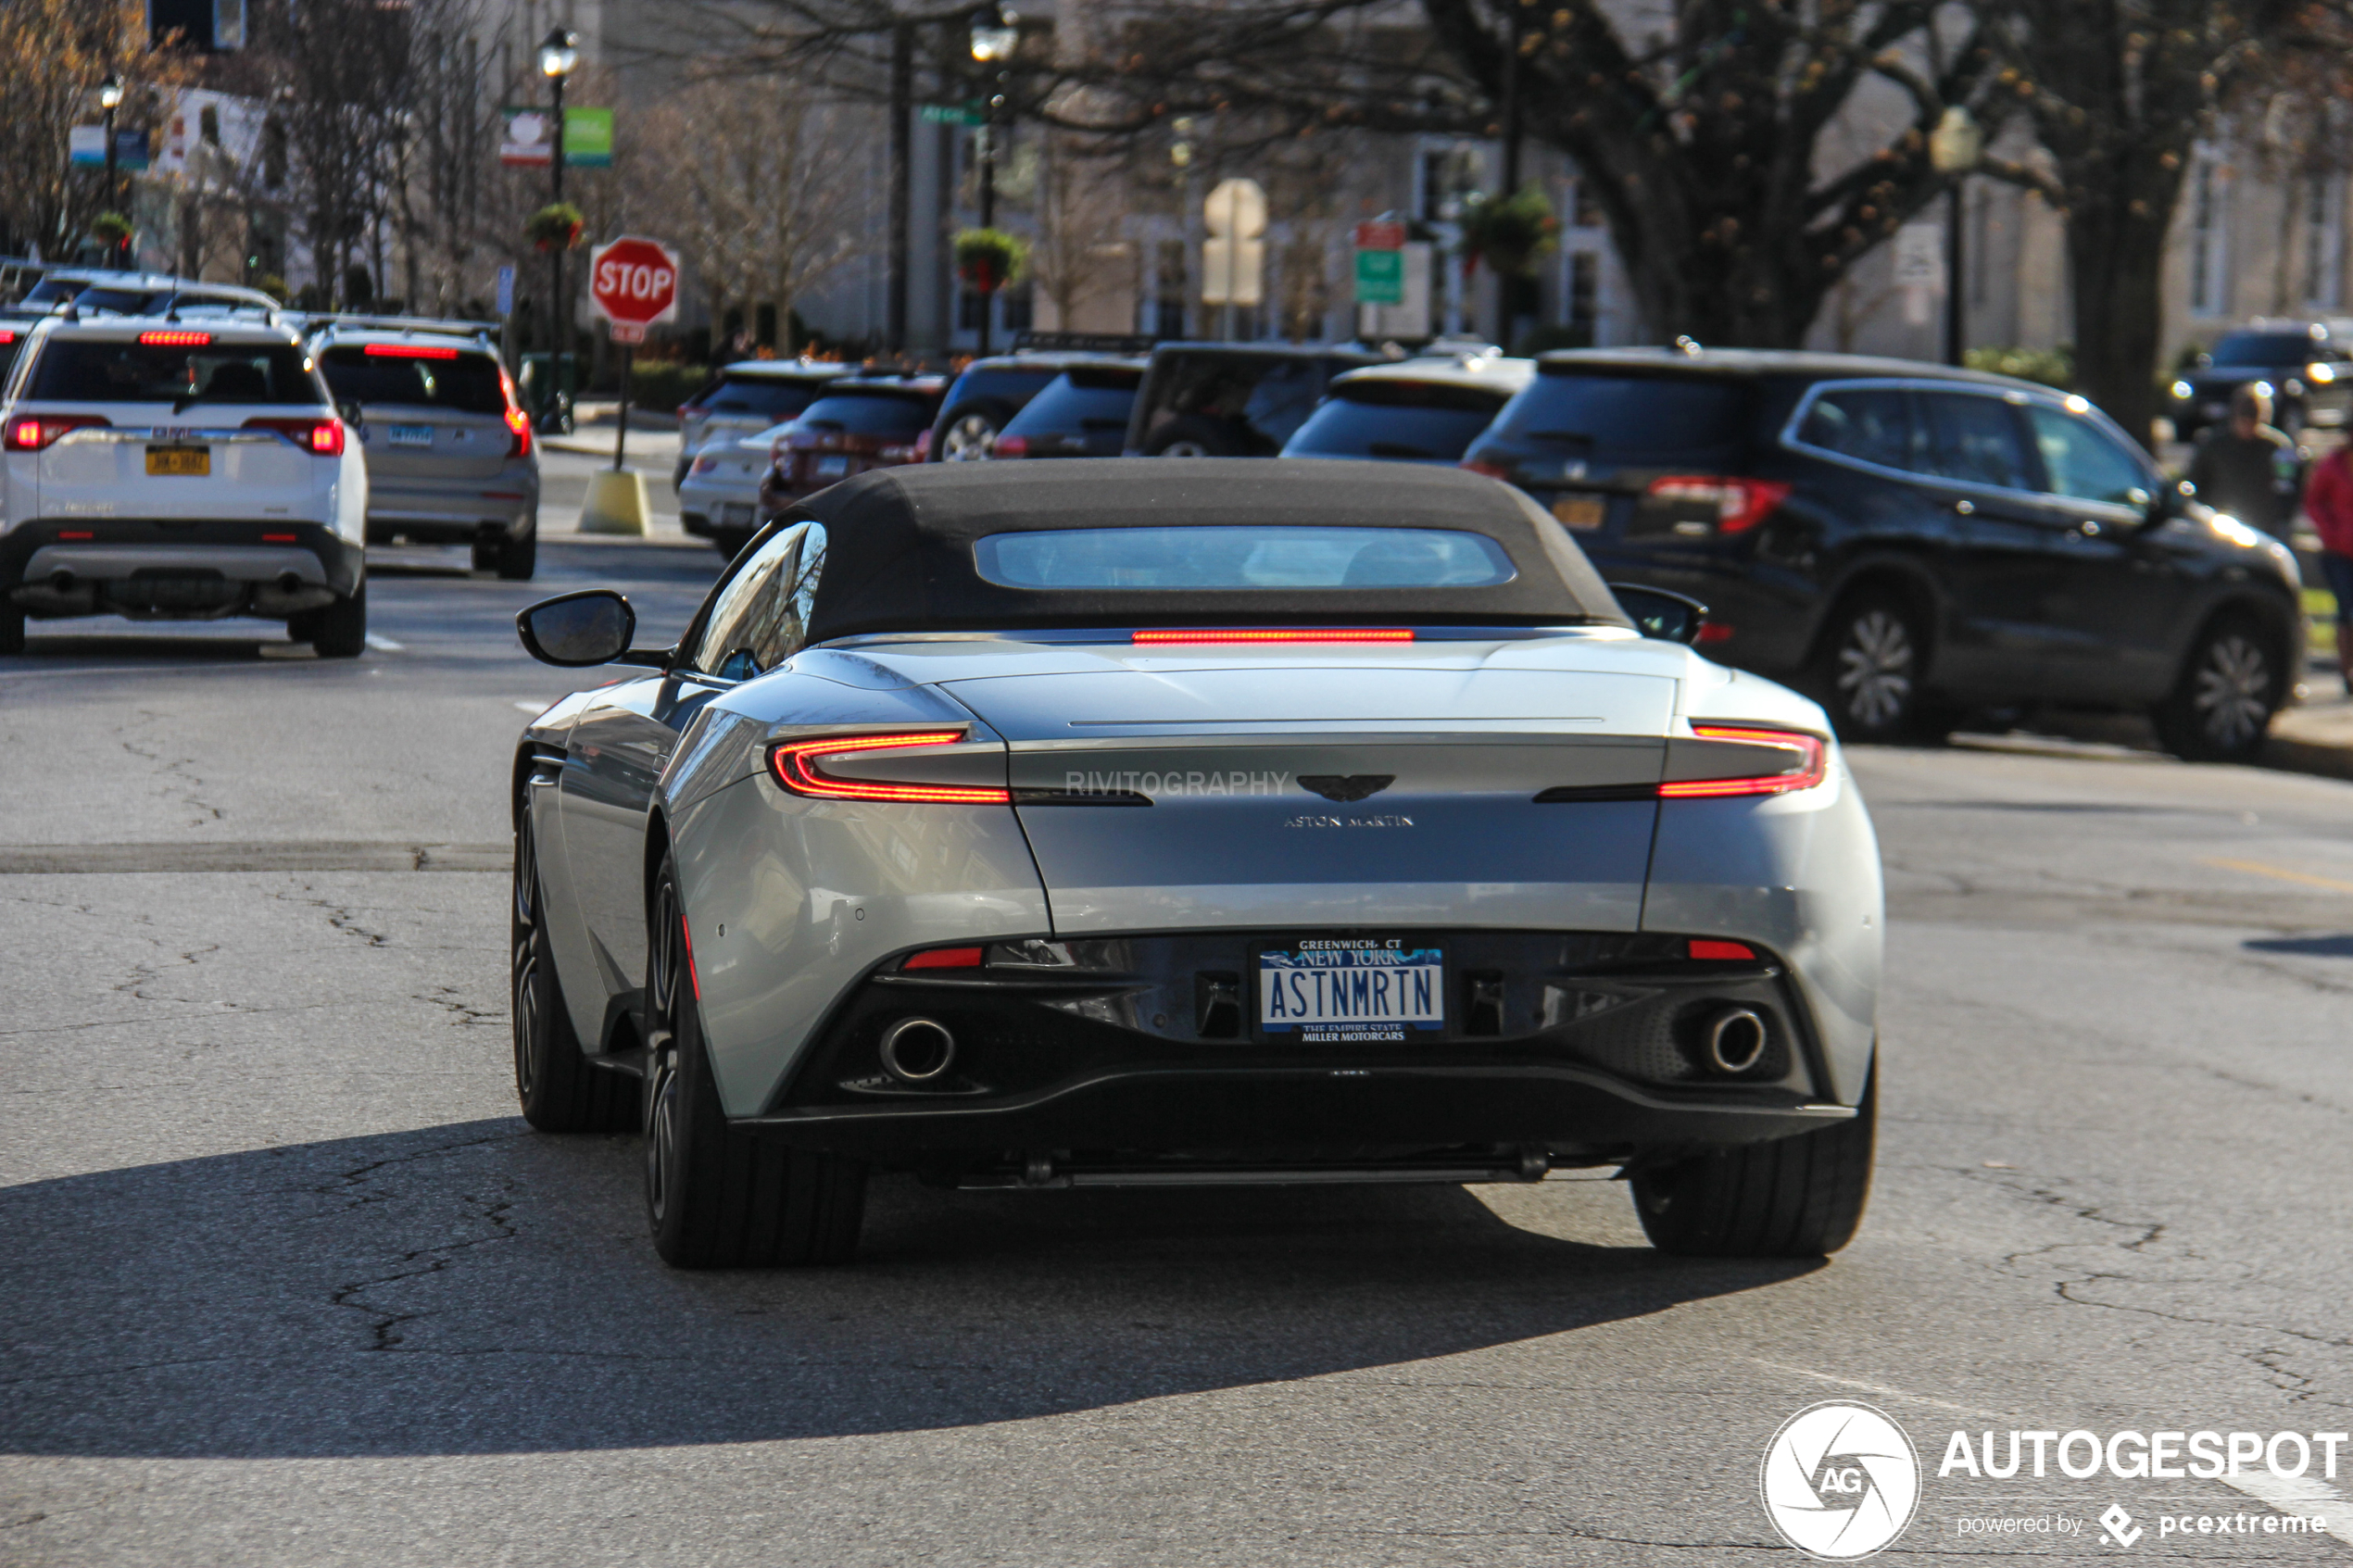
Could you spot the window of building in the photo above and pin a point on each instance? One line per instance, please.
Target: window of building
(2209, 240)
(1584, 212)
(1020, 308)
(1581, 297)
(2323, 240)
(1169, 290)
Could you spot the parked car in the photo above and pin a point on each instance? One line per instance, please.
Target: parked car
(1042, 825)
(1913, 544)
(1421, 411)
(449, 451)
(743, 399)
(987, 393)
(1231, 400)
(138, 293)
(2307, 365)
(177, 470)
(1082, 413)
(861, 423)
(720, 492)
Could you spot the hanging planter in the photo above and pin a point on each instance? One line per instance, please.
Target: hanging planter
(1509, 234)
(990, 259)
(557, 226)
(111, 229)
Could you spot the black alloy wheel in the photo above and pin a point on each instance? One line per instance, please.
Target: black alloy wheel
(2222, 708)
(969, 432)
(718, 1197)
(1191, 436)
(1869, 673)
(560, 1089)
(1790, 1197)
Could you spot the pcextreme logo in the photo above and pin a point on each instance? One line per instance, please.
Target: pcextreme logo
(1840, 1481)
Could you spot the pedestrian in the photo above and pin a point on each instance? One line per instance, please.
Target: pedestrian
(2329, 503)
(2247, 468)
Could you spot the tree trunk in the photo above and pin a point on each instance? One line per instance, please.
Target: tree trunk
(2117, 257)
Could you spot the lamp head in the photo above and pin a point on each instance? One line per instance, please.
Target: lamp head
(996, 34)
(1957, 142)
(558, 53)
(110, 91)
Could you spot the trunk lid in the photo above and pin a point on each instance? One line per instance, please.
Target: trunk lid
(103, 471)
(422, 443)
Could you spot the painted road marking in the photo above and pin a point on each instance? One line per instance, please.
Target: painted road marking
(531, 706)
(2299, 1494)
(382, 645)
(2258, 869)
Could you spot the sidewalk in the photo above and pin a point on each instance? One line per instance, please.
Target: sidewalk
(2317, 737)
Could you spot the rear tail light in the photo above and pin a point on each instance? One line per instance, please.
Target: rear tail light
(1740, 504)
(35, 432)
(321, 437)
(1714, 632)
(1011, 447)
(1740, 952)
(1185, 635)
(7, 337)
(518, 422)
(1492, 470)
(1804, 762)
(408, 351)
(799, 766)
(944, 958)
(175, 339)
(923, 447)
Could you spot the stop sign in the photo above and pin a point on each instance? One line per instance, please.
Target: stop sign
(634, 282)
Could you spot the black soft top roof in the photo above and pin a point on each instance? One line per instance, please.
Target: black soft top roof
(900, 555)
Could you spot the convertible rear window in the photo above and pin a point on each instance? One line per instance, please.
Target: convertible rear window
(1279, 558)
(96, 370)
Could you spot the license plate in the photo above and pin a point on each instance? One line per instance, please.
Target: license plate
(833, 467)
(195, 461)
(1581, 511)
(1351, 989)
(410, 435)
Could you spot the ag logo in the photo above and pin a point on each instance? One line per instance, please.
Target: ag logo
(1840, 1481)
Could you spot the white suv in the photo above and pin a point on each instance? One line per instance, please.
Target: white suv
(179, 471)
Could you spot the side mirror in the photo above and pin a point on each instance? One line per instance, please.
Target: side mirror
(571, 629)
(1670, 618)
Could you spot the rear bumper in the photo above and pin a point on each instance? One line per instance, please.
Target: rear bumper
(174, 570)
(453, 514)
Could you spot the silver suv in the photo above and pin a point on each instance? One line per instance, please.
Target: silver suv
(169, 470)
(449, 453)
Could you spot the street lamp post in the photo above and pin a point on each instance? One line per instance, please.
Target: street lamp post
(1954, 148)
(995, 32)
(110, 99)
(558, 54)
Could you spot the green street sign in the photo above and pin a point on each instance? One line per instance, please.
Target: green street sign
(954, 114)
(1380, 277)
(589, 138)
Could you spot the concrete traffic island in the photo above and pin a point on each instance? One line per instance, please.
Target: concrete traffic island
(617, 503)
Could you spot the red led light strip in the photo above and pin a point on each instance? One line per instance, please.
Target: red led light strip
(1274, 634)
(175, 339)
(795, 765)
(1810, 764)
(408, 351)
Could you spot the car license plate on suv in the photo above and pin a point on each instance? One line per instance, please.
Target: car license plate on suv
(1345, 989)
(195, 461)
(1581, 511)
(833, 467)
(410, 435)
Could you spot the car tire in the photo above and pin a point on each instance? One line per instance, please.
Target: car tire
(1868, 674)
(968, 431)
(718, 1197)
(517, 559)
(561, 1090)
(2230, 684)
(1801, 1196)
(11, 629)
(1191, 436)
(335, 631)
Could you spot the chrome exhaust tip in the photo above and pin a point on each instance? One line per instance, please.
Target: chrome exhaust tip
(917, 1050)
(1735, 1040)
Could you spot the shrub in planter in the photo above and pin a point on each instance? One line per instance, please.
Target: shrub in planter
(1510, 233)
(988, 259)
(557, 226)
(110, 228)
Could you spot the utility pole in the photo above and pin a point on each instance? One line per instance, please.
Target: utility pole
(558, 54)
(902, 92)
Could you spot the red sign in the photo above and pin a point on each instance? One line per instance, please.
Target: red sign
(1381, 237)
(634, 282)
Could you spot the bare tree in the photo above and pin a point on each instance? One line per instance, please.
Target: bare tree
(57, 52)
(343, 96)
(452, 148)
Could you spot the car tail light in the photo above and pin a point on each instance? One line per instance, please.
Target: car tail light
(321, 437)
(1702, 948)
(408, 351)
(896, 455)
(7, 337)
(35, 432)
(944, 958)
(1181, 635)
(923, 447)
(1714, 632)
(1010, 446)
(175, 339)
(518, 426)
(1741, 504)
(1492, 470)
(799, 767)
(1807, 763)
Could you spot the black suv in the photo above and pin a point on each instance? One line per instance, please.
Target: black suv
(1231, 400)
(2309, 371)
(1909, 543)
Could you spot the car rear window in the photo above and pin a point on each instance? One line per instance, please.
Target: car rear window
(1278, 560)
(1009, 383)
(1612, 411)
(1869, 424)
(466, 384)
(870, 413)
(1080, 400)
(1430, 420)
(771, 398)
(95, 371)
(2264, 348)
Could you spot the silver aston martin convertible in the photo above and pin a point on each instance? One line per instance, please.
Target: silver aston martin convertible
(1048, 824)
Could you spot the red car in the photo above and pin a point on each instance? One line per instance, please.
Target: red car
(861, 423)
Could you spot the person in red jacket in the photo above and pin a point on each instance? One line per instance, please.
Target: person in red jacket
(2328, 501)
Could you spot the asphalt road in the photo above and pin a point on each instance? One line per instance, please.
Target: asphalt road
(284, 1281)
